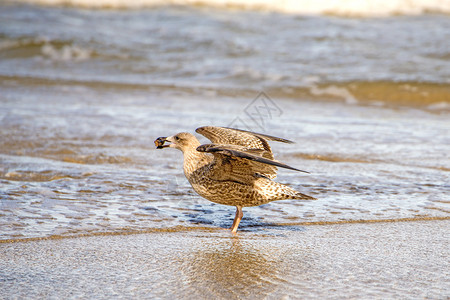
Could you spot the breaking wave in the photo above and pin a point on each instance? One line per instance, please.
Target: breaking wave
(369, 8)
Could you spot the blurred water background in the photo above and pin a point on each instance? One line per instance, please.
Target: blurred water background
(362, 87)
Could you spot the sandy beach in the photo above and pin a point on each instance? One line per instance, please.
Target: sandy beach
(392, 260)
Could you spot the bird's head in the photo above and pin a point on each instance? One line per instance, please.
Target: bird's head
(183, 141)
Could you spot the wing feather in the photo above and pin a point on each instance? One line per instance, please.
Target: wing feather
(232, 136)
(261, 135)
(251, 141)
(244, 138)
(233, 162)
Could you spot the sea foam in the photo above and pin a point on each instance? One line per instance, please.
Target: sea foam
(358, 8)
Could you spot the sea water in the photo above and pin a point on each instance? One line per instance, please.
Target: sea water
(363, 91)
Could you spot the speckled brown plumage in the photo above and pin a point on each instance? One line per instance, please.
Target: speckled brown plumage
(236, 169)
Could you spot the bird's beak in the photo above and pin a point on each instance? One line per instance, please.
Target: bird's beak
(159, 142)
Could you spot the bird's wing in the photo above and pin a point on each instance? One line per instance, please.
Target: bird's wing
(239, 163)
(231, 136)
(247, 139)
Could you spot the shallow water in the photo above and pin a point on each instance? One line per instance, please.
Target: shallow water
(60, 176)
(82, 102)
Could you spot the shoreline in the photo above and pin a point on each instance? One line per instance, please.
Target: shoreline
(215, 229)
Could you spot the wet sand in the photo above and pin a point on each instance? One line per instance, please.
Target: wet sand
(402, 260)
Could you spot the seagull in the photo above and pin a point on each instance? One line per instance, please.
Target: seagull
(236, 169)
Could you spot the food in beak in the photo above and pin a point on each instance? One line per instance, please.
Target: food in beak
(159, 142)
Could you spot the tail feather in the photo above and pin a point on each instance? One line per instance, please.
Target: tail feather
(290, 193)
(301, 196)
(277, 191)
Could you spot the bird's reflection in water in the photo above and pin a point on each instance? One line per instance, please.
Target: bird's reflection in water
(238, 268)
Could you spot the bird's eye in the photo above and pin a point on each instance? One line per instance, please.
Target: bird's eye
(177, 138)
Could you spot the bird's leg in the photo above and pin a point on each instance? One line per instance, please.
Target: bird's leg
(237, 219)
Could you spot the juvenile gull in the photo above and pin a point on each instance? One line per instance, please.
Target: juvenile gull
(237, 169)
